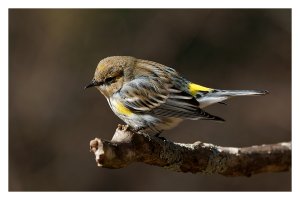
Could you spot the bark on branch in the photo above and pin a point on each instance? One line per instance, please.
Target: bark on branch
(127, 147)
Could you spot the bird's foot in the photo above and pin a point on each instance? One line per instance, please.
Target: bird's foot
(136, 129)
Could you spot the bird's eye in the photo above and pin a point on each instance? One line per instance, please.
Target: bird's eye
(110, 80)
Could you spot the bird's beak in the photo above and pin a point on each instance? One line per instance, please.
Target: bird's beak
(93, 83)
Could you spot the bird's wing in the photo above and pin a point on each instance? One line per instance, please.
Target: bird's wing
(161, 98)
(182, 105)
(144, 94)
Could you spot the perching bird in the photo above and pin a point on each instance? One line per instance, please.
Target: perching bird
(151, 97)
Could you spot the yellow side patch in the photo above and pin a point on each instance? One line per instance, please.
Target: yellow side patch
(194, 88)
(122, 109)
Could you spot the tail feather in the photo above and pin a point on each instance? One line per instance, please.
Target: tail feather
(232, 93)
(216, 96)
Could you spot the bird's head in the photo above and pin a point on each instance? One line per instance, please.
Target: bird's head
(111, 73)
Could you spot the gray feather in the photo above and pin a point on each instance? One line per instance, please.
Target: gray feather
(216, 96)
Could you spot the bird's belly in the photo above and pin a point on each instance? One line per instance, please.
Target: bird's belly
(125, 114)
(149, 123)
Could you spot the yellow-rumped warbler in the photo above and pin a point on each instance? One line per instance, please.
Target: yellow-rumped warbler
(151, 97)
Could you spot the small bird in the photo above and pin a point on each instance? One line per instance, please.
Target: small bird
(151, 97)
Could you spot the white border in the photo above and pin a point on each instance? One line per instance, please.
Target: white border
(4, 5)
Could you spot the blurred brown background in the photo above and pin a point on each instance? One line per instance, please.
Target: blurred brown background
(53, 55)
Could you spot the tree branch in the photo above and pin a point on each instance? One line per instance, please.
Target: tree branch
(127, 147)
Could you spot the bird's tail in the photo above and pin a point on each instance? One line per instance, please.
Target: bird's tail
(217, 96)
(233, 93)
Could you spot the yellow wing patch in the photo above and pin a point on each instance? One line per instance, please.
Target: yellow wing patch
(194, 88)
(121, 109)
